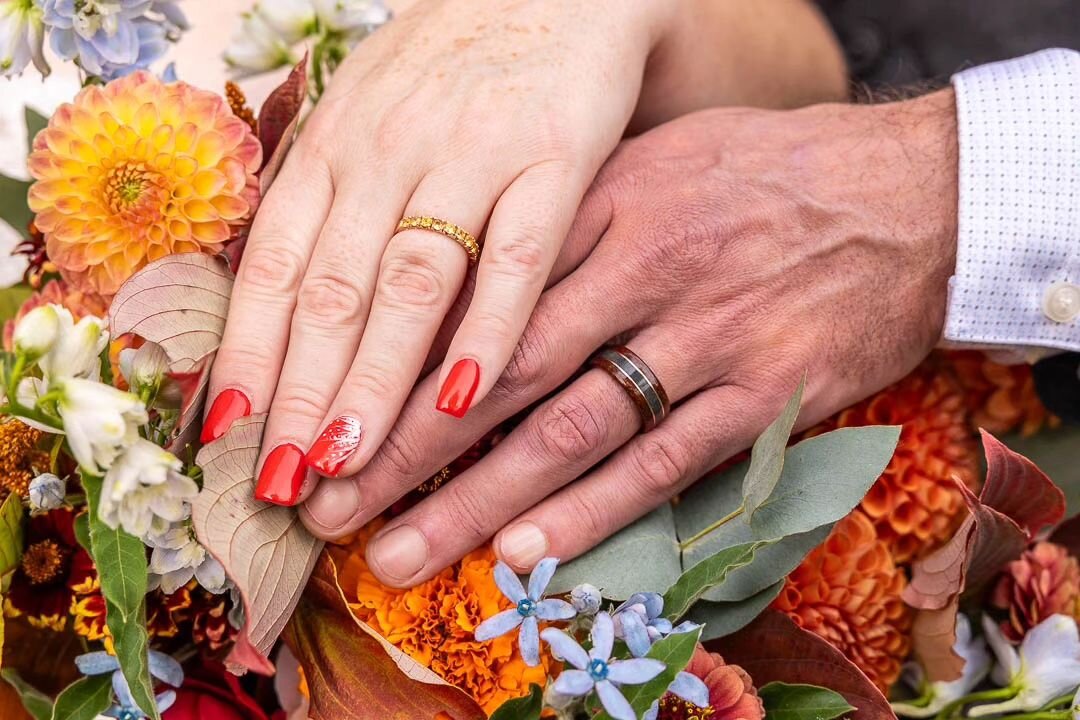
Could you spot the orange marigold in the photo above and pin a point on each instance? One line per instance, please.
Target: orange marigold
(848, 592)
(433, 623)
(136, 170)
(1002, 398)
(915, 504)
(1044, 581)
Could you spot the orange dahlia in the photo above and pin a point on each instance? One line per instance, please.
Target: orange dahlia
(915, 504)
(1002, 398)
(433, 623)
(847, 591)
(136, 170)
(1044, 581)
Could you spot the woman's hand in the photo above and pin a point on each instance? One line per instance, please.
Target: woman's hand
(733, 251)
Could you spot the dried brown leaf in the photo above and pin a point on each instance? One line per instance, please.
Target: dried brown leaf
(278, 119)
(265, 548)
(933, 637)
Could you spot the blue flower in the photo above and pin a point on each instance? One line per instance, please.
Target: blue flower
(162, 667)
(638, 640)
(649, 607)
(529, 608)
(595, 670)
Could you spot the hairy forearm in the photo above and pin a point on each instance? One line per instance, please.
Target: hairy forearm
(765, 53)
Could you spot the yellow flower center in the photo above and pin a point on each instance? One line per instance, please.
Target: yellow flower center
(673, 707)
(18, 456)
(42, 562)
(129, 183)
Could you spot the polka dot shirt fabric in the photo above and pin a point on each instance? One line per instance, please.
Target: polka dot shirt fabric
(1019, 214)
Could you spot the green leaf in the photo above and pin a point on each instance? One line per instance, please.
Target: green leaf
(767, 455)
(802, 702)
(522, 708)
(11, 533)
(707, 574)
(14, 209)
(11, 299)
(35, 123)
(723, 618)
(35, 702)
(675, 652)
(121, 563)
(82, 530)
(84, 699)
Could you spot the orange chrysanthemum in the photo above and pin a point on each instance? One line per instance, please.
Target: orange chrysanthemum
(434, 622)
(1044, 581)
(915, 503)
(1002, 398)
(20, 457)
(137, 170)
(848, 592)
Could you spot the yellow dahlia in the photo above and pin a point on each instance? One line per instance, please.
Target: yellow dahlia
(915, 504)
(1002, 398)
(136, 170)
(847, 591)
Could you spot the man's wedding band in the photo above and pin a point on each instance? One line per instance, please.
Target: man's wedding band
(639, 381)
(459, 235)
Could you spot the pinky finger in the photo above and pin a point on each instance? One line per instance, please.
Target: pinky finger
(648, 471)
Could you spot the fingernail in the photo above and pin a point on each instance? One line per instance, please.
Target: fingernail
(334, 446)
(282, 475)
(400, 553)
(334, 504)
(458, 390)
(229, 406)
(523, 545)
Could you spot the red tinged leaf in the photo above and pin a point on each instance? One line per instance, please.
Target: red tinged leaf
(774, 648)
(1016, 487)
(933, 636)
(278, 119)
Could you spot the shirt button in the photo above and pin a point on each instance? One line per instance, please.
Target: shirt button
(1061, 303)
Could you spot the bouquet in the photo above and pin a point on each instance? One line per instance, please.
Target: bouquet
(876, 565)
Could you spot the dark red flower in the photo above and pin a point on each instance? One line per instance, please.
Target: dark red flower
(210, 692)
(732, 695)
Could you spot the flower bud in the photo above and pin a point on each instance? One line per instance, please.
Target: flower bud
(47, 492)
(586, 599)
(38, 331)
(144, 368)
(293, 20)
(77, 351)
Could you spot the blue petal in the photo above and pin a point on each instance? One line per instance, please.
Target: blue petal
(635, 671)
(635, 634)
(652, 712)
(96, 663)
(573, 683)
(603, 637)
(497, 625)
(165, 700)
(684, 627)
(690, 688)
(541, 576)
(508, 582)
(166, 669)
(654, 604)
(614, 702)
(555, 610)
(123, 692)
(566, 648)
(529, 639)
(661, 625)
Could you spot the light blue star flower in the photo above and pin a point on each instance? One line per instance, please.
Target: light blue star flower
(650, 608)
(162, 667)
(689, 687)
(529, 608)
(596, 671)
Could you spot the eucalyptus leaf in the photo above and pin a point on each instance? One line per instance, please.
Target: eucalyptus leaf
(723, 618)
(675, 652)
(35, 702)
(14, 209)
(84, 699)
(11, 533)
(35, 123)
(767, 455)
(704, 576)
(120, 559)
(802, 702)
(522, 708)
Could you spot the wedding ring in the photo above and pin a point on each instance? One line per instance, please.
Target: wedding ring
(639, 381)
(459, 235)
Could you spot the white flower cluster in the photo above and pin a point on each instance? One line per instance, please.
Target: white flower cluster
(270, 31)
(144, 489)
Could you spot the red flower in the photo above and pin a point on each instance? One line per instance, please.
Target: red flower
(210, 692)
(732, 695)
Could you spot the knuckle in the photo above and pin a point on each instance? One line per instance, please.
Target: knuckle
(330, 299)
(527, 366)
(298, 400)
(592, 518)
(570, 429)
(520, 255)
(271, 267)
(241, 361)
(411, 278)
(469, 514)
(371, 383)
(660, 464)
(400, 456)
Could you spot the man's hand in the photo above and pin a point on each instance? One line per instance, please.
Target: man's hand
(733, 250)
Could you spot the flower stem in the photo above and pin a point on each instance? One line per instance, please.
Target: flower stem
(950, 710)
(714, 526)
(1044, 715)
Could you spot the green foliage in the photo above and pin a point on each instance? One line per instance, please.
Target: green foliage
(723, 618)
(675, 652)
(121, 563)
(767, 456)
(11, 534)
(11, 299)
(13, 205)
(802, 702)
(522, 708)
(707, 574)
(35, 702)
(35, 123)
(84, 699)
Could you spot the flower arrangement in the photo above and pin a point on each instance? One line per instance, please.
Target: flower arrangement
(819, 576)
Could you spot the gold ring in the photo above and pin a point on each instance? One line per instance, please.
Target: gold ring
(459, 235)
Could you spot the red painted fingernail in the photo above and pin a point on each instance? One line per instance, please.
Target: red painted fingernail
(457, 392)
(229, 406)
(334, 446)
(282, 476)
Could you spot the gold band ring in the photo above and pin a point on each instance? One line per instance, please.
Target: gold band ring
(639, 381)
(459, 235)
